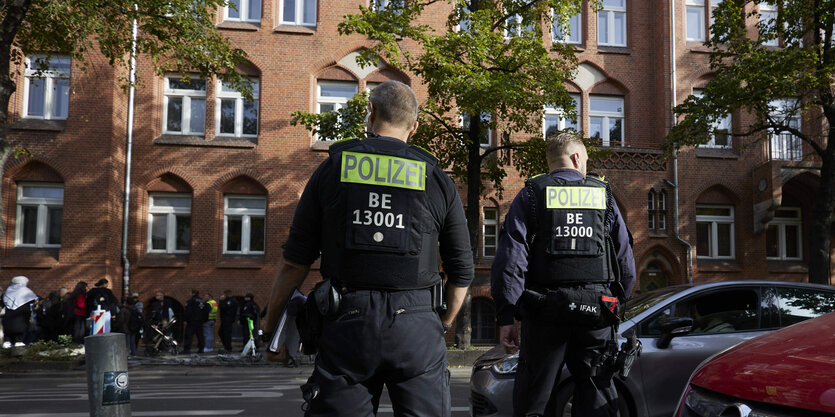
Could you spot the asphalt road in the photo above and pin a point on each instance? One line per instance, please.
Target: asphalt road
(185, 392)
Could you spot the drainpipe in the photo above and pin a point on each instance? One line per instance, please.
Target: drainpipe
(675, 152)
(128, 152)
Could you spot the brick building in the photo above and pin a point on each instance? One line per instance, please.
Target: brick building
(215, 178)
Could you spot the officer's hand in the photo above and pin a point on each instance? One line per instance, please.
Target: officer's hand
(509, 338)
(274, 357)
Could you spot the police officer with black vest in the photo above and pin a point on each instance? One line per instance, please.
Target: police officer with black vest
(377, 210)
(563, 263)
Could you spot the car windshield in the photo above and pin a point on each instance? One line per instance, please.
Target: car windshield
(644, 301)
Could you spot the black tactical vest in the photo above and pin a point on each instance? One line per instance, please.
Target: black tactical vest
(571, 243)
(378, 231)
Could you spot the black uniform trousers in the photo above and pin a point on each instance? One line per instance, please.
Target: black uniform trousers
(225, 332)
(382, 338)
(544, 347)
(194, 328)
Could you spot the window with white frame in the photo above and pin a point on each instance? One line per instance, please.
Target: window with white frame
(184, 106)
(381, 5)
(235, 115)
(713, 5)
(573, 33)
(516, 26)
(785, 145)
(334, 95)
(244, 224)
(611, 23)
(40, 208)
(606, 118)
(464, 19)
(715, 232)
(783, 235)
(768, 20)
(555, 120)
(657, 210)
(490, 231)
(169, 223)
(695, 21)
(486, 133)
(46, 87)
(720, 137)
(243, 11)
(370, 86)
(298, 12)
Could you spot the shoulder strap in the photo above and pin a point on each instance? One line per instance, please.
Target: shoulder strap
(532, 185)
(337, 147)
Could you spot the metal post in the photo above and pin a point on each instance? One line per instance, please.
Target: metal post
(107, 375)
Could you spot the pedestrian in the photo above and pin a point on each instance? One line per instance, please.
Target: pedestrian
(161, 310)
(78, 301)
(554, 264)
(196, 313)
(140, 306)
(129, 321)
(250, 311)
(378, 237)
(49, 316)
(101, 297)
(229, 310)
(18, 300)
(209, 326)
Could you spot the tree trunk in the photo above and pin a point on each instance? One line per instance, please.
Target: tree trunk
(463, 324)
(820, 241)
(15, 13)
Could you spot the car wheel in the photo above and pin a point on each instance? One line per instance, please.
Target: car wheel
(563, 402)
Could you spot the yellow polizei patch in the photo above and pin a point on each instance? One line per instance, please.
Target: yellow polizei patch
(584, 198)
(384, 170)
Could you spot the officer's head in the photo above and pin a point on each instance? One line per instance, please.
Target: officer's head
(392, 110)
(566, 150)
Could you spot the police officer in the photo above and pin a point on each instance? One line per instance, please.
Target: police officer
(562, 251)
(229, 310)
(195, 314)
(377, 209)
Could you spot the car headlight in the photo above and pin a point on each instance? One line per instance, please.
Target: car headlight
(506, 365)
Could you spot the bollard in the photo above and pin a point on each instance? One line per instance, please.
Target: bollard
(107, 375)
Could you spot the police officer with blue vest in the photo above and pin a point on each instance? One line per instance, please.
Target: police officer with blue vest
(377, 210)
(563, 263)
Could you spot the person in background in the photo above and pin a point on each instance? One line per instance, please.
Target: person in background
(18, 301)
(140, 307)
(250, 310)
(209, 326)
(101, 296)
(161, 310)
(129, 321)
(78, 301)
(229, 310)
(196, 313)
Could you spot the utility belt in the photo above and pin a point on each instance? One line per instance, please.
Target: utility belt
(324, 301)
(587, 305)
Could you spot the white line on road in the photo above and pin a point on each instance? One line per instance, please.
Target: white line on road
(391, 410)
(140, 413)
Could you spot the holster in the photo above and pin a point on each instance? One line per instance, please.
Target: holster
(323, 302)
(569, 306)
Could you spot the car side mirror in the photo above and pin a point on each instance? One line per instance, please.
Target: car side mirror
(673, 327)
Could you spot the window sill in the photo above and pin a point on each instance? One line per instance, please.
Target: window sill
(39, 124)
(321, 145)
(32, 258)
(622, 50)
(716, 153)
(241, 261)
(698, 47)
(658, 235)
(789, 267)
(217, 142)
(302, 30)
(247, 26)
(161, 260)
(716, 265)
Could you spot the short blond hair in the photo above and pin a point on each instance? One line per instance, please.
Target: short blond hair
(561, 144)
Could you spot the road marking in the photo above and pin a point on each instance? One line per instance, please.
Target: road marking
(391, 410)
(140, 413)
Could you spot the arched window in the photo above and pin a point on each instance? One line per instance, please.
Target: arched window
(483, 313)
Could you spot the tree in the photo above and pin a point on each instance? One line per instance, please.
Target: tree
(780, 74)
(178, 35)
(489, 68)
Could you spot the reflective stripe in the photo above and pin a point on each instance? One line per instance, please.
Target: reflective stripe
(593, 198)
(384, 170)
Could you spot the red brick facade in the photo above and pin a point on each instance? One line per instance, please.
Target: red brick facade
(86, 153)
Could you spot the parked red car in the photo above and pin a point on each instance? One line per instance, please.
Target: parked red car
(787, 373)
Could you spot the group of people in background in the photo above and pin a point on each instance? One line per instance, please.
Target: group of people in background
(26, 317)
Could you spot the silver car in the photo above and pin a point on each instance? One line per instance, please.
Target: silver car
(679, 327)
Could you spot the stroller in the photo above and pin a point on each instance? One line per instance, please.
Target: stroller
(163, 340)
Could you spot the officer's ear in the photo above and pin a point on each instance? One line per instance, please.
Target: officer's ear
(414, 129)
(370, 116)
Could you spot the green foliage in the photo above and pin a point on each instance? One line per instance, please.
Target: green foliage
(178, 35)
(749, 73)
(344, 123)
(62, 349)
